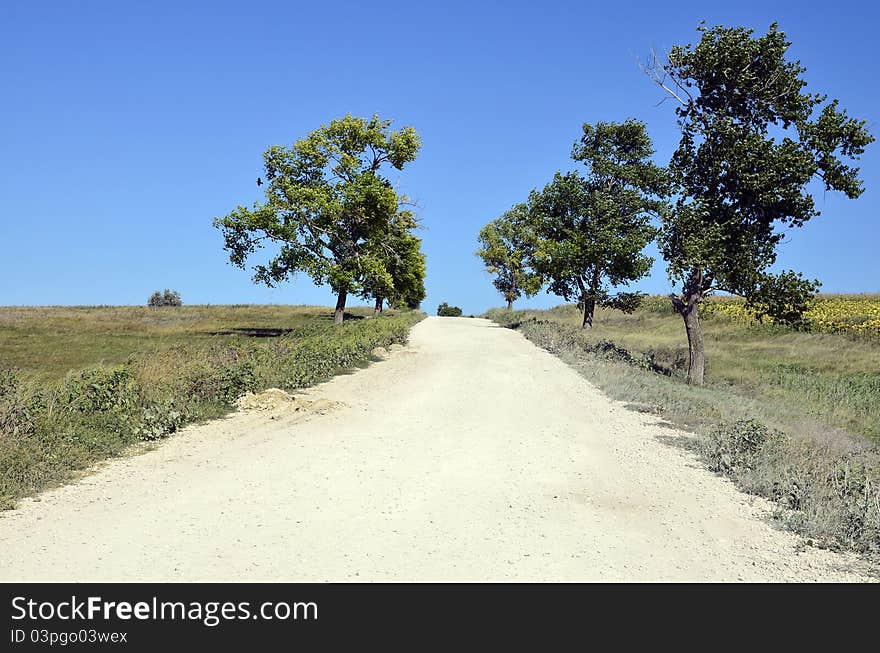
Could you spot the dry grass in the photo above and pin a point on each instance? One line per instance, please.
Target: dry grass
(828, 379)
(47, 342)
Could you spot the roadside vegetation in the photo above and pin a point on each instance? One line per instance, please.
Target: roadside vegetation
(139, 374)
(789, 414)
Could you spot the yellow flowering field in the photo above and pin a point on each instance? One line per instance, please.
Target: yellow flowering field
(851, 314)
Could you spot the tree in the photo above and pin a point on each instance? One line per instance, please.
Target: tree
(591, 231)
(751, 143)
(401, 276)
(408, 273)
(165, 298)
(445, 310)
(327, 204)
(505, 243)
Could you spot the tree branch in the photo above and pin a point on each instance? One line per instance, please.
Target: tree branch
(652, 68)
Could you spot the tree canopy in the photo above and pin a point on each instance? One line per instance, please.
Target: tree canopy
(401, 276)
(590, 230)
(504, 246)
(327, 207)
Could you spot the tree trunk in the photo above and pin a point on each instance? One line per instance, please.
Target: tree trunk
(378, 307)
(509, 304)
(589, 310)
(689, 312)
(339, 315)
(696, 351)
(590, 304)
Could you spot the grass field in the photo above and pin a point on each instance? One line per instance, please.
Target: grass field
(47, 342)
(830, 378)
(797, 411)
(78, 385)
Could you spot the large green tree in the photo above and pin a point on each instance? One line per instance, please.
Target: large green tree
(752, 141)
(591, 230)
(327, 205)
(504, 245)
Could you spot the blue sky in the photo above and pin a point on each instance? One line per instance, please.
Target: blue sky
(126, 127)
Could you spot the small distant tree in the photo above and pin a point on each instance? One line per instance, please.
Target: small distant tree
(327, 204)
(445, 310)
(591, 230)
(165, 298)
(504, 246)
(751, 142)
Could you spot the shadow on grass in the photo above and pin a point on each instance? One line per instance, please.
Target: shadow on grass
(253, 332)
(272, 332)
(347, 318)
(643, 408)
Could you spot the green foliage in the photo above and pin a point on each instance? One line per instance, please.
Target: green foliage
(734, 447)
(590, 231)
(223, 375)
(8, 382)
(48, 430)
(314, 359)
(445, 310)
(400, 277)
(165, 298)
(784, 298)
(99, 390)
(504, 245)
(626, 302)
(408, 270)
(751, 142)
(18, 408)
(327, 206)
(158, 421)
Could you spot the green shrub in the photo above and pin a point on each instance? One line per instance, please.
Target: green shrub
(19, 408)
(99, 390)
(445, 310)
(158, 420)
(731, 448)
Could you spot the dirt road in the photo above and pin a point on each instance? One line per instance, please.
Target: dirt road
(469, 455)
